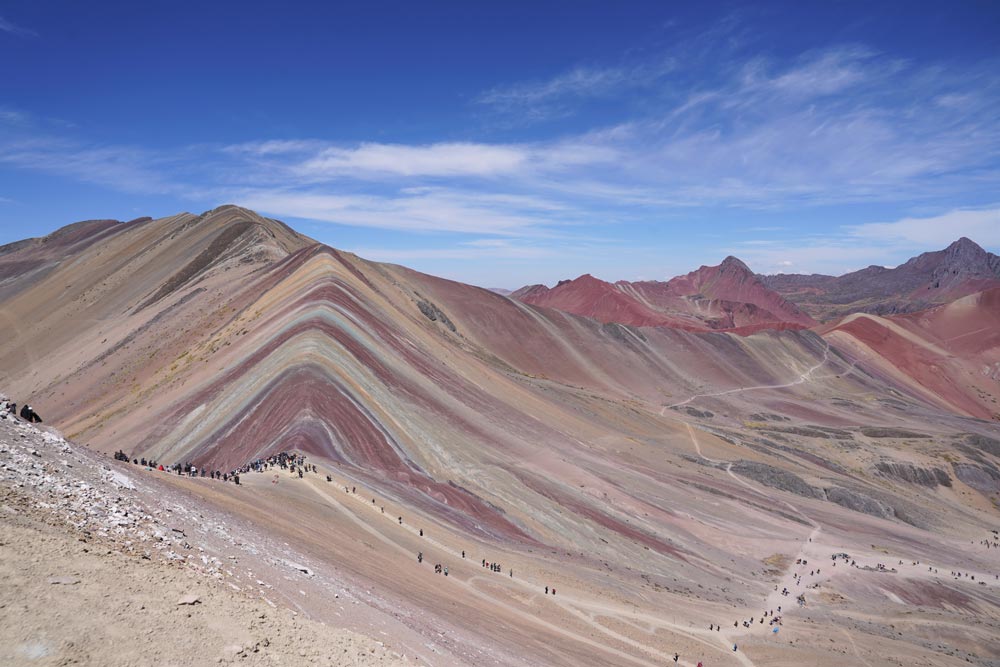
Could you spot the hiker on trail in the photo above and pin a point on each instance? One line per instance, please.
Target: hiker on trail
(446, 571)
(420, 557)
(553, 591)
(463, 553)
(400, 521)
(734, 648)
(546, 590)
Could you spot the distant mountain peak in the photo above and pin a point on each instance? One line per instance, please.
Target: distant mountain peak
(734, 263)
(964, 242)
(964, 250)
(937, 276)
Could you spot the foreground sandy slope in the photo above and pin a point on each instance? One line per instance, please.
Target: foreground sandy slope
(87, 581)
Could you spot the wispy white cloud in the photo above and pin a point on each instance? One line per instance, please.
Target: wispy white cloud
(452, 159)
(12, 28)
(14, 117)
(852, 247)
(274, 147)
(826, 72)
(316, 162)
(414, 211)
(540, 100)
(830, 256)
(982, 226)
(124, 168)
(481, 249)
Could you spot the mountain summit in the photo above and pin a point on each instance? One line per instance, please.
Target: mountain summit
(926, 280)
(712, 298)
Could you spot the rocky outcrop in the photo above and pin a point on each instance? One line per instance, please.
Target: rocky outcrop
(768, 416)
(983, 444)
(911, 474)
(776, 478)
(983, 478)
(859, 502)
(887, 432)
(434, 314)
(812, 431)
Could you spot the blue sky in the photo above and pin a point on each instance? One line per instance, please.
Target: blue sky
(511, 143)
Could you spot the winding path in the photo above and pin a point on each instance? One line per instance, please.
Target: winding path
(774, 599)
(805, 377)
(567, 602)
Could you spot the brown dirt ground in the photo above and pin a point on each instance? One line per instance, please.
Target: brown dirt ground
(123, 610)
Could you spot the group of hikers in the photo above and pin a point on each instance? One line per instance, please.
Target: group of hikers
(296, 463)
(284, 460)
(992, 541)
(440, 568)
(748, 623)
(8, 408)
(494, 567)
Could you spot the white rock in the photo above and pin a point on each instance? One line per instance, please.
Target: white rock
(120, 480)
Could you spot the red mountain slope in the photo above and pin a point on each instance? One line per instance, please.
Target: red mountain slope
(949, 354)
(725, 297)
